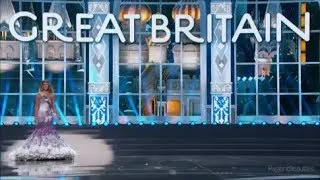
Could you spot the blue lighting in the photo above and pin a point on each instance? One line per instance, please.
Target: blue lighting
(166, 123)
(140, 123)
(152, 123)
(1, 123)
(105, 123)
(277, 123)
(264, 123)
(54, 123)
(129, 123)
(204, 123)
(66, 124)
(16, 123)
(317, 123)
(29, 123)
(303, 123)
(94, 123)
(192, 123)
(240, 123)
(179, 123)
(98, 109)
(214, 123)
(227, 123)
(289, 123)
(116, 124)
(221, 110)
(253, 124)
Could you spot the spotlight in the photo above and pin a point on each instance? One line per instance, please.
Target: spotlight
(264, 123)
(80, 124)
(277, 123)
(116, 124)
(66, 124)
(166, 123)
(227, 123)
(192, 123)
(94, 123)
(1, 123)
(129, 123)
(179, 123)
(152, 123)
(140, 123)
(240, 123)
(204, 123)
(253, 123)
(54, 123)
(105, 123)
(16, 123)
(29, 123)
(289, 123)
(214, 123)
(303, 123)
(317, 123)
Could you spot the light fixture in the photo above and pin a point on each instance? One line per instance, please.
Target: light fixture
(187, 7)
(132, 7)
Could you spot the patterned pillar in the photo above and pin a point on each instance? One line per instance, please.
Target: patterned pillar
(221, 85)
(99, 84)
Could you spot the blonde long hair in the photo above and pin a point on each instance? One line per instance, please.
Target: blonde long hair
(50, 89)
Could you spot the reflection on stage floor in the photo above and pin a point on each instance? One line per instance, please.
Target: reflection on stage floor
(100, 157)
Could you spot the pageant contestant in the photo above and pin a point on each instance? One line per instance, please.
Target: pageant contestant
(44, 143)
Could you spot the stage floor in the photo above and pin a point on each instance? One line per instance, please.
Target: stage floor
(154, 153)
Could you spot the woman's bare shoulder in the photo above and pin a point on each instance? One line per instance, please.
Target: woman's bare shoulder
(51, 95)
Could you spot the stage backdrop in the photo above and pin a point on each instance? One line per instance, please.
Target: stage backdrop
(163, 83)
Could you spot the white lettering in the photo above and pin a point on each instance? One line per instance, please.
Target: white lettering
(13, 31)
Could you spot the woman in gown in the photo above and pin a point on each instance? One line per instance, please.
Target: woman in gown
(44, 143)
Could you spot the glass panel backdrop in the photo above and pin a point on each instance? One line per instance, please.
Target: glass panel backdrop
(25, 65)
(278, 81)
(158, 82)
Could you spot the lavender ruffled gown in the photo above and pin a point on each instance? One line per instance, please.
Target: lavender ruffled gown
(44, 143)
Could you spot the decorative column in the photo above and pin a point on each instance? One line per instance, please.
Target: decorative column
(99, 83)
(221, 85)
